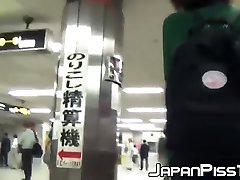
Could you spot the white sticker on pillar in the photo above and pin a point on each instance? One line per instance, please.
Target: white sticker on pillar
(72, 111)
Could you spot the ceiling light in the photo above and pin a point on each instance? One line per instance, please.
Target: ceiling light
(133, 125)
(139, 127)
(144, 90)
(145, 129)
(34, 93)
(40, 110)
(30, 43)
(158, 120)
(147, 110)
(131, 120)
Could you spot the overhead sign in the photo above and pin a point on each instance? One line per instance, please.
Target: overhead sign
(72, 112)
(24, 40)
(114, 70)
(14, 109)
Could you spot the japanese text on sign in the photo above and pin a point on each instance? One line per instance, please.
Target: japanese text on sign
(72, 112)
(73, 94)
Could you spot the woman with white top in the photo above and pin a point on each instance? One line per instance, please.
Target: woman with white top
(13, 156)
(135, 155)
(129, 154)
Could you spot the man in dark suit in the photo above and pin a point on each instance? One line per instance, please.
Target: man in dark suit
(144, 151)
(5, 149)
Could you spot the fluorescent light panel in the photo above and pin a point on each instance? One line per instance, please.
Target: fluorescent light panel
(131, 120)
(139, 127)
(135, 125)
(40, 110)
(34, 93)
(147, 110)
(145, 129)
(158, 120)
(144, 90)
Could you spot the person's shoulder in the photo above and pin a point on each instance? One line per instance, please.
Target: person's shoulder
(237, 21)
(176, 17)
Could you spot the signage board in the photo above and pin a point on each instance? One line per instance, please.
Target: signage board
(24, 40)
(69, 147)
(72, 111)
(14, 109)
(114, 70)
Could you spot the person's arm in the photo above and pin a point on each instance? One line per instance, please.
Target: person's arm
(140, 151)
(166, 45)
(175, 29)
(9, 145)
(20, 141)
(15, 142)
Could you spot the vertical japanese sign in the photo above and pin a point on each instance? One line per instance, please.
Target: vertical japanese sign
(70, 141)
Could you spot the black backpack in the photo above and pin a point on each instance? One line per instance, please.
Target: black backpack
(203, 92)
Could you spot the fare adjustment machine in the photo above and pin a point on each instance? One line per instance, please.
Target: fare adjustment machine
(84, 139)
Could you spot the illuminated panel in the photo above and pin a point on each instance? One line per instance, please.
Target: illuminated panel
(14, 109)
(23, 40)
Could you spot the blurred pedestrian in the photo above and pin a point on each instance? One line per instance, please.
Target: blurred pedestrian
(144, 151)
(5, 149)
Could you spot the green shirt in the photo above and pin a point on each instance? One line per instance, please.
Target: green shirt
(176, 27)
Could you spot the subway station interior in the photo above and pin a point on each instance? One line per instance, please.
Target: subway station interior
(92, 69)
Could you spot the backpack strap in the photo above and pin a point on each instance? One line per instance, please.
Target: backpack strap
(35, 135)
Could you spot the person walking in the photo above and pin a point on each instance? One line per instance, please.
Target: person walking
(5, 149)
(129, 154)
(144, 151)
(14, 159)
(26, 143)
(135, 156)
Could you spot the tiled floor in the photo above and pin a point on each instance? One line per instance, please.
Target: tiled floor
(10, 174)
(135, 174)
(42, 174)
